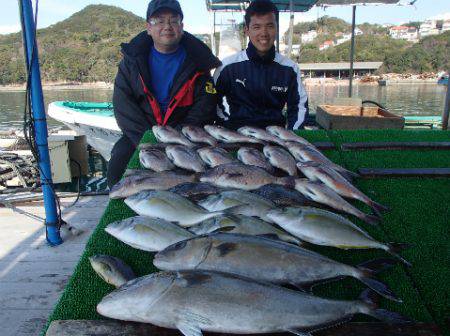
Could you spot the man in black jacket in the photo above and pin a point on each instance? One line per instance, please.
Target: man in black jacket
(258, 82)
(163, 79)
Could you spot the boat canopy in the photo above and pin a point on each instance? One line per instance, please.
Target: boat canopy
(241, 5)
(355, 2)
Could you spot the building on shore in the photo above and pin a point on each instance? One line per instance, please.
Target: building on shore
(338, 70)
(428, 28)
(410, 34)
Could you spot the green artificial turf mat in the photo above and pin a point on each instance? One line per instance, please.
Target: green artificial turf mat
(419, 215)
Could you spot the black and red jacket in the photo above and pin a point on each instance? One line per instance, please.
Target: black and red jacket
(192, 96)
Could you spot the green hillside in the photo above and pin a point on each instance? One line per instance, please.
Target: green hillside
(85, 47)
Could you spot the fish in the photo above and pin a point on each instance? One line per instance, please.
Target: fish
(243, 225)
(253, 157)
(322, 227)
(305, 154)
(260, 134)
(136, 183)
(146, 233)
(320, 193)
(260, 259)
(195, 191)
(282, 196)
(111, 269)
(231, 198)
(287, 135)
(228, 136)
(169, 134)
(280, 158)
(331, 178)
(169, 206)
(197, 301)
(155, 159)
(240, 176)
(185, 157)
(215, 156)
(198, 134)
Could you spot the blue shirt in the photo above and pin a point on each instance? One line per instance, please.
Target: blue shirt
(163, 68)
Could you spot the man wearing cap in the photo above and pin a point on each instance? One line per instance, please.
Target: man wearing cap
(163, 79)
(258, 82)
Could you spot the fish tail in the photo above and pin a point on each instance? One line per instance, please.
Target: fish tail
(288, 181)
(378, 286)
(395, 248)
(378, 208)
(370, 219)
(375, 266)
(388, 316)
(369, 306)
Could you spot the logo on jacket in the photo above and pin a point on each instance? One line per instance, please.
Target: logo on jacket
(241, 81)
(209, 88)
(279, 88)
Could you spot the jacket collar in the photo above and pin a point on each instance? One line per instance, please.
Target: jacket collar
(196, 50)
(254, 56)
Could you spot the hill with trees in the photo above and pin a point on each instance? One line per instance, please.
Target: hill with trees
(86, 47)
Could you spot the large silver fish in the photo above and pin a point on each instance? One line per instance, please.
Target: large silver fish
(228, 136)
(240, 176)
(261, 259)
(215, 156)
(169, 134)
(305, 154)
(243, 225)
(322, 227)
(193, 302)
(281, 159)
(185, 157)
(154, 159)
(287, 135)
(198, 134)
(320, 193)
(146, 233)
(133, 184)
(253, 157)
(260, 134)
(111, 269)
(169, 206)
(338, 183)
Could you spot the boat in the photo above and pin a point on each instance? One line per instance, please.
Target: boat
(443, 80)
(94, 120)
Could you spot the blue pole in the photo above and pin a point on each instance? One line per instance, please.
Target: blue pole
(40, 123)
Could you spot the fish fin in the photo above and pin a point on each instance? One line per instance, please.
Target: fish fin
(395, 248)
(389, 316)
(376, 266)
(303, 287)
(272, 236)
(371, 219)
(189, 329)
(298, 332)
(378, 208)
(225, 248)
(323, 282)
(224, 229)
(380, 287)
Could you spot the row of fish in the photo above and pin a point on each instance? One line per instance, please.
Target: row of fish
(228, 238)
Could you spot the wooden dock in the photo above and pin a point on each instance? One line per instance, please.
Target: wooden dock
(32, 274)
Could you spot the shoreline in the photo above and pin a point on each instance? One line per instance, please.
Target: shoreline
(306, 81)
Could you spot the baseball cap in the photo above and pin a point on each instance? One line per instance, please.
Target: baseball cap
(156, 5)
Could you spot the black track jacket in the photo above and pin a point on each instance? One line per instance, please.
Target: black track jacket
(193, 97)
(257, 88)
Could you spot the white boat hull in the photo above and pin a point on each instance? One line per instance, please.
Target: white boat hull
(101, 132)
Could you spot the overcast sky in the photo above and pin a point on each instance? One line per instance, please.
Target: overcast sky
(198, 20)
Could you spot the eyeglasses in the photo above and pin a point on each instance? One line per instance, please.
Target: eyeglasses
(174, 22)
